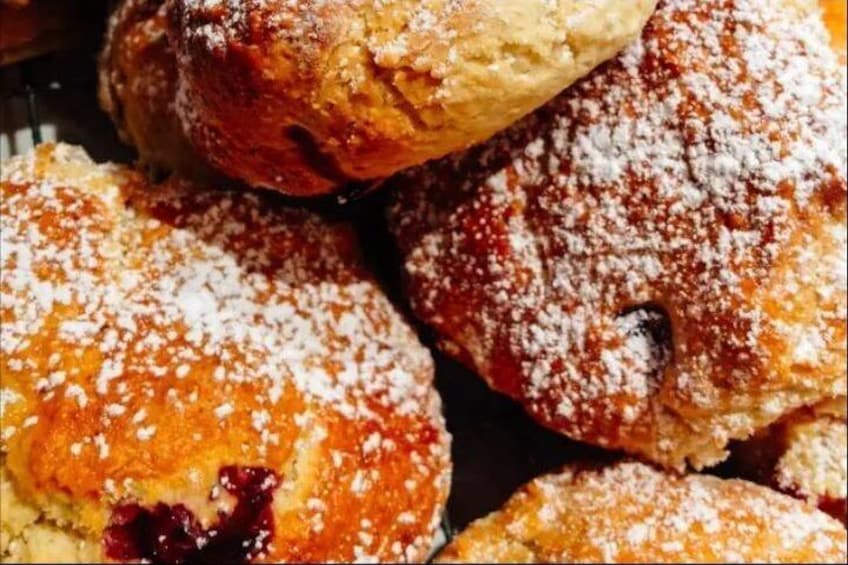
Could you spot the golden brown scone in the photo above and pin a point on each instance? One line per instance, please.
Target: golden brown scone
(193, 375)
(655, 261)
(804, 455)
(632, 513)
(138, 85)
(303, 96)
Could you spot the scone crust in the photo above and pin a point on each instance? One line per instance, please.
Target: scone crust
(154, 335)
(836, 19)
(137, 87)
(654, 261)
(633, 513)
(805, 455)
(278, 91)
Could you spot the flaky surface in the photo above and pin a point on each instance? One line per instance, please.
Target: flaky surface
(302, 96)
(152, 335)
(805, 455)
(632, 513)
(655, 261)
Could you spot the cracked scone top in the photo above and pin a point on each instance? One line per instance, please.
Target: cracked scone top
(656, 260)
(632, 513)
(302, 96)
(191, 374)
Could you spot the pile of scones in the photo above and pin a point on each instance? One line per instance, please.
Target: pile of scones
(627, 216)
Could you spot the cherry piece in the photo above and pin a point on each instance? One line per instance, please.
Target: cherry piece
(172, 534)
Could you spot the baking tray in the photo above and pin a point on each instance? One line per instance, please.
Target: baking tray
(496, 447)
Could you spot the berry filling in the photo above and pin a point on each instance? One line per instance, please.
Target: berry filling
(172, 534)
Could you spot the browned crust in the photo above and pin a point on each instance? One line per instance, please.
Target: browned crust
(335, 395)
(531, 254)
(631, 513)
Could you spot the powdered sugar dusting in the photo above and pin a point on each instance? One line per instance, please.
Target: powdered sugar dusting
(181, 322)
(302, 26)
(214, 276)
(702, 173)
(632, 513)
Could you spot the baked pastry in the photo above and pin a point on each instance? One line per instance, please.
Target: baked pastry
(194, 375)
(304, 96)
(804, 455)
(632, 513)
(137, 88)
(654, 261)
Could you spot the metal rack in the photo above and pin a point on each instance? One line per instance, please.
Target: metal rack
(28, 92)
(53, 98)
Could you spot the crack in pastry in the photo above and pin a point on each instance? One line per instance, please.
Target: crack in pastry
(701, 174)
(164, 343)
(836, 19)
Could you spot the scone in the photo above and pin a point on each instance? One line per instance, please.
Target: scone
(656, 260)
(632, 513)
(192, 375)
(804, 455)
(303, 97)
(137, 88)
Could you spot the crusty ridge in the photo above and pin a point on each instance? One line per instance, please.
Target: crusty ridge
(358, 89)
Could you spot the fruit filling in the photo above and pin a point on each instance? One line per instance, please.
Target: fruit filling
(172, 534)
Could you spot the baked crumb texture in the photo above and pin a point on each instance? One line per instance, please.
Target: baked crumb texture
(206, 365)
(656, 260)
(805, 454)
(633, 513)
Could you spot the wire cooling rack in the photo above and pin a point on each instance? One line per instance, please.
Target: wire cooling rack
(53, 98)
(496, 447)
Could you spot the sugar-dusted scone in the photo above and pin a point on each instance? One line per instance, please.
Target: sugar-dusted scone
(303, 97)
(633, 513)
(804, 454)
(656, 260)
(195, 375)
(137, 87)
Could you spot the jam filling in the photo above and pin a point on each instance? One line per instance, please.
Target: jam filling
(172, 534)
